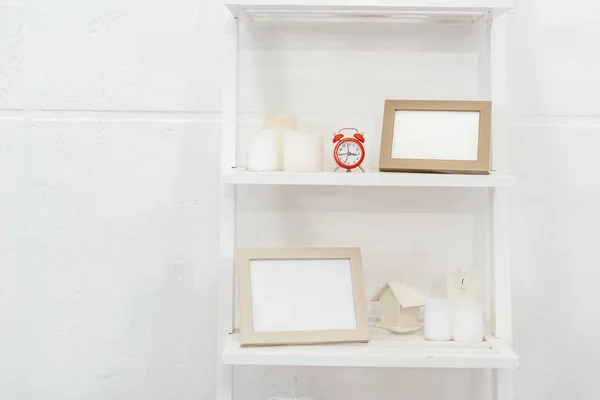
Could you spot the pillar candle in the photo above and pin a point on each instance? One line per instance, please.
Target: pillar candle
(262, 151)
(467, 322)
(281, 123)
(438, 319)
(303, 152)
(462, 286)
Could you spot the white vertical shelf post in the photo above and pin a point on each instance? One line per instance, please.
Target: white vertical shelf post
(479, 379)
(498, 198)
(484, 70)
(227, 231)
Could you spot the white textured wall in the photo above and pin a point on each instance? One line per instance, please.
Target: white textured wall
(109, 120)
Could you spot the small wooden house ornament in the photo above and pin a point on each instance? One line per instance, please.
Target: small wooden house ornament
(399, 307)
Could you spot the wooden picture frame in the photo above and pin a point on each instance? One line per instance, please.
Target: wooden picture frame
(456, 142)
(301, 296)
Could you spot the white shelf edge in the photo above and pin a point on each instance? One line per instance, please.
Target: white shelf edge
(399, 352)
(242, 177)
(380, 4)
(375, 3)
(466, 11)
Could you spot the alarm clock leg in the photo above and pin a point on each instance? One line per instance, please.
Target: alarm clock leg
(361, 168)
(336, 168)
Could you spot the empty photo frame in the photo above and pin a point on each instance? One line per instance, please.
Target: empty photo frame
(301, 296)
(436, 136)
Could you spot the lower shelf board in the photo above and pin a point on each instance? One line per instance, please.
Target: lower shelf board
(384, 350)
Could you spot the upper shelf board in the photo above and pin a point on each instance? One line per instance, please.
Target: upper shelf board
(434, 11)
(242, 177)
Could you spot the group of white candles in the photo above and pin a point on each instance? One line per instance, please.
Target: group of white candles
(281, 147)
(458, 317)
(461, 321)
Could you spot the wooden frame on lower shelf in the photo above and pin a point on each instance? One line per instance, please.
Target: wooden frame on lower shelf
(354, 326)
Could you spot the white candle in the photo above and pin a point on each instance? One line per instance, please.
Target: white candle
(303, 152)
(281, 123)
(462, 286)
(262, 151)
(438, 319)
(467, 322)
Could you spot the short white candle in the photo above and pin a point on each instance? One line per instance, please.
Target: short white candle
(467, 322)
(303, 152)
(281, 123)
(438, 319)
(262, 151)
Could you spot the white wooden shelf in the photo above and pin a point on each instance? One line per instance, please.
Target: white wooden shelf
(384, 350)
(418, 11)
(242, 177)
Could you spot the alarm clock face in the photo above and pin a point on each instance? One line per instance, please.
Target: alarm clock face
(349, 153)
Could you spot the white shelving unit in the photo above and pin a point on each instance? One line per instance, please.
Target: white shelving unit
(384, 350)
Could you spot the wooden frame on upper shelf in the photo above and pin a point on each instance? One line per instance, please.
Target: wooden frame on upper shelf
(479, 165)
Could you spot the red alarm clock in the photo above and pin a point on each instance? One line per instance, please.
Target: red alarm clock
(349, 153)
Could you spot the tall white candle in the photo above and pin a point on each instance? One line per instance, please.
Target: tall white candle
(438, 319)
(462, 286)
(467, 322)
(262, 151)
(303, 152)
(281, 123)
